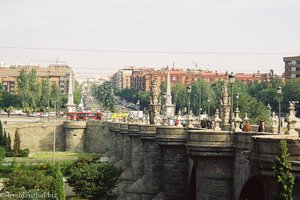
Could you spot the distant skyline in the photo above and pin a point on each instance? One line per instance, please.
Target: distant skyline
(101, 37)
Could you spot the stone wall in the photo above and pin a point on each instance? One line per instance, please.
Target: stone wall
(37, 136)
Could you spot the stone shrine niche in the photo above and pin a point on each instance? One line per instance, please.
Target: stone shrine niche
(224, 104)
(154, 107)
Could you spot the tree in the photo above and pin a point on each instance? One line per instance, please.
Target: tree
(180, 96)
(282, 168)
(23, 88)
(77, 93)
(32, 183)
(93, 180)
(291, 92)
(1, 135)
(204, 90)
(57, 187)
(17, 142)
(34, 89)
(103, 93)
(46, 94)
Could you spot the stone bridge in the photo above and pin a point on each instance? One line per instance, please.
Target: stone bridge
(167, 162)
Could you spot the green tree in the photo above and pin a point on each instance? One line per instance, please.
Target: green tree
(46, 94)
(255, 109)
(57, 188)
(23, 88)
(103, 93)
(180, 96)
(1, 135)
(34, 89)
(201, 92)
(17, 144)
(2, 154)
(291, 92)
(94, 180)
(77, 93)
(30, 183)
(11, 100)
(144, 99)
(284, 178)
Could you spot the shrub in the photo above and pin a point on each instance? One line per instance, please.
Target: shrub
(2, 153)
(282, 167)
(23, 153)
(94, 180)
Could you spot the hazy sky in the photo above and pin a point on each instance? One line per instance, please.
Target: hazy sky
(101, 36)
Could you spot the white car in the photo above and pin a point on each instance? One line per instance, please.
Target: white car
(44, 115)
(2, 112)
(52, 114)
(34, 114)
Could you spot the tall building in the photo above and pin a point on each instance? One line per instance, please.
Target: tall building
(291, 67)
(57, 73)
(122, 79)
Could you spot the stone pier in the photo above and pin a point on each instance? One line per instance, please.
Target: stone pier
(212, 154)
(137, 162)
(172, 142)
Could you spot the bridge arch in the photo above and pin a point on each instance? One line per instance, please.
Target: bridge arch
(253, 190)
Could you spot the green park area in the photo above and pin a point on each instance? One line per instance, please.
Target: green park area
(47, 156)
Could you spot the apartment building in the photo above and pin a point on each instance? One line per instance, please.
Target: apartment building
(122, 79)
(291, 67)
(141, 80)
(57, 73)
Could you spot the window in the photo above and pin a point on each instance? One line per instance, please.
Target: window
(293, 62)
(297, 75)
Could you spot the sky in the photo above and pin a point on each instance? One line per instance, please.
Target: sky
(102, 36)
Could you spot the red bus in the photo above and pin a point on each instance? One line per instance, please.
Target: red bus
(83, 116)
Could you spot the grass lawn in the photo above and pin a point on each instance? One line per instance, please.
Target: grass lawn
(45, 156)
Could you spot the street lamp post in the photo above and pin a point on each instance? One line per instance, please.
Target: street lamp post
(200, 98)
(48, 112)
(237, 96)
(208, 100)
(189, 90)
(54, 130)
(279, 91)
(138, 106)
(231, 82)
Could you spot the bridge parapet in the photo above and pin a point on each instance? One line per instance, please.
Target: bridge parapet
(265, 149)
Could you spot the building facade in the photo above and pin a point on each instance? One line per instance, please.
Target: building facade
(292, 67)
(56, 73)
(122, 79)
(140, 80)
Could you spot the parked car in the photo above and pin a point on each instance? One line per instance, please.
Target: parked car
(34, 114)
(17, 112)
(44, 114)
(52, 114)
(2, 112)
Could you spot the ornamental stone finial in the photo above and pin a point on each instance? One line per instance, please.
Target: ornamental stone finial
(291, 121)
(217, 121)
(274, 123)
(237, 121)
